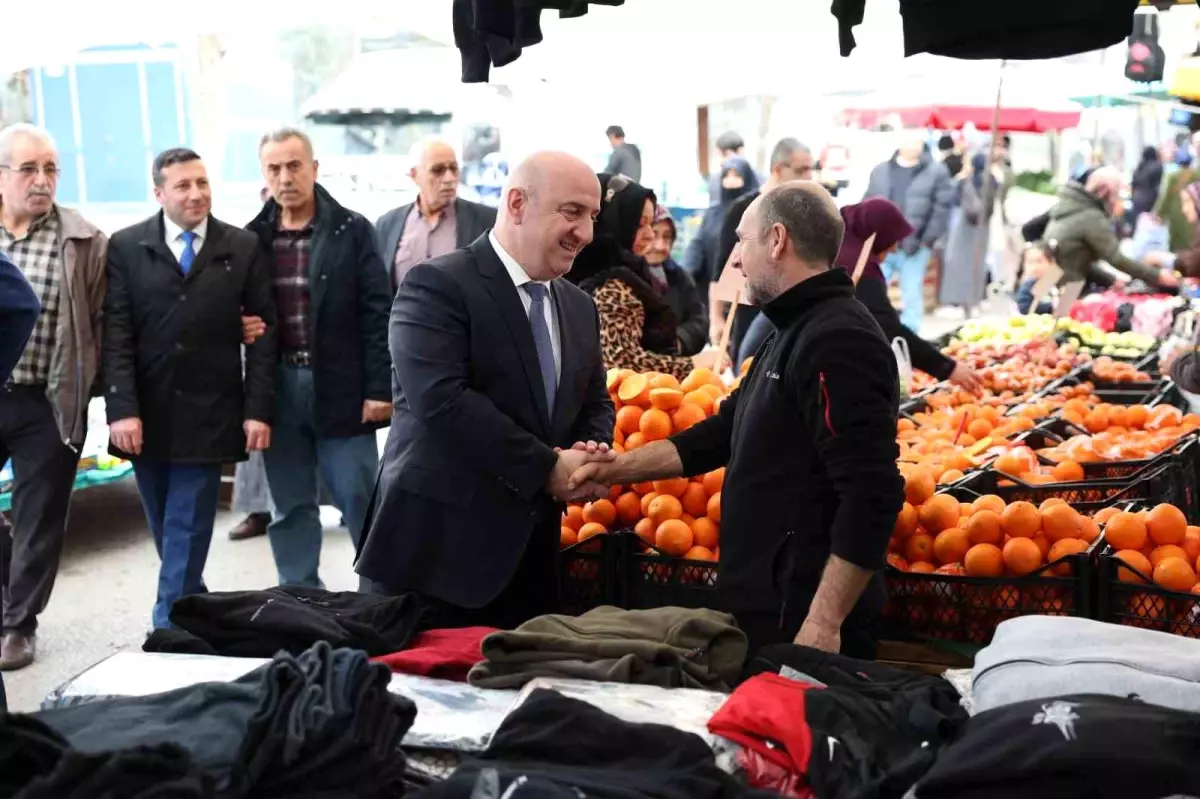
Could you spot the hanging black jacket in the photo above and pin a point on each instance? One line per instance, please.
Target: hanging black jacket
(1027, 29)
(810, 443)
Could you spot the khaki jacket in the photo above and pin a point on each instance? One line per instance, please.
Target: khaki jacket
(75, 362)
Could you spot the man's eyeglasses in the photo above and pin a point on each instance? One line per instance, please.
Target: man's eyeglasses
(31, 170)
(438, 170)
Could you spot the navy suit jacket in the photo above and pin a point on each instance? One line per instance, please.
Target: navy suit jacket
(461, 484)
(19, 309)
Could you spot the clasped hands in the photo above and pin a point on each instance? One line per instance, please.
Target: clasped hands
(578, 474)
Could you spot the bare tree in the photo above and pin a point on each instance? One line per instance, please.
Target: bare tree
(318, 54)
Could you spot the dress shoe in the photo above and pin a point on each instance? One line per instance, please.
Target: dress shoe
(252, 526)
(16, 651)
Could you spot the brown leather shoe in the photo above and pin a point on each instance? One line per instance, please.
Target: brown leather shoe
(17, 651)
(252, 526)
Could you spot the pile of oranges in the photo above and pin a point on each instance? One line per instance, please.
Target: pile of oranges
(679, 517)
(1110, 371)
(1158, 544)
(936, 533)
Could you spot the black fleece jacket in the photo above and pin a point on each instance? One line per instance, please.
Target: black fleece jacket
(810, 443)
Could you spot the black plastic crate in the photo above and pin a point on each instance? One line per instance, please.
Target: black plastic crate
(1145, 604)
(1054, 431)
(656, 581)
(962, 609)
(1163, 484)
(587, 574)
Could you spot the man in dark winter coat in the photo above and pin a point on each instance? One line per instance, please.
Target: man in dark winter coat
(177, 401)
(334, 377)
(811, 490)
(924, 191)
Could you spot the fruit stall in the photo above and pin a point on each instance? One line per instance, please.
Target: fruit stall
(1070, 486)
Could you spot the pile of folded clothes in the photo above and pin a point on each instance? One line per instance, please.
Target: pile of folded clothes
(38, 763)
(667, 647)
(290, 619)
(553, 746)
(319, 724)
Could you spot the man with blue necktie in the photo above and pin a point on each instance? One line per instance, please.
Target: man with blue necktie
(179, 405)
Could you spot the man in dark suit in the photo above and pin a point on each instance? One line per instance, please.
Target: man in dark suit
(501, 391)
(437, 222)
(178, 404)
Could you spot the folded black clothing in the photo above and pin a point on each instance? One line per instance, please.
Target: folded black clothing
(145, 772)
(554, 746)
(28, 749)
(1079, 745)
(328, 725)
(319, 724)
(290, 619)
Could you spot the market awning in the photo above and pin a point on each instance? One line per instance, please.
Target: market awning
(956, 117)
(419, 83)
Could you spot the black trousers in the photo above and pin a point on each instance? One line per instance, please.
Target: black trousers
(43, 477)
(532, 591)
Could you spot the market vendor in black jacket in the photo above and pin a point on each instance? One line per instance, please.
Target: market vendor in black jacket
(812, 489)
(178, 403)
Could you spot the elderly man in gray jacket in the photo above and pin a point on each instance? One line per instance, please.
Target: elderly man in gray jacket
(924, 191)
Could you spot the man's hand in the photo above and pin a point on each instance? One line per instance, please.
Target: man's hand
(258, 435)
(819, 635)
(1168, 279)
(561, 483)
(376, 411)
(252, 329)
(716, 329)
(965, 378)
(126, 435)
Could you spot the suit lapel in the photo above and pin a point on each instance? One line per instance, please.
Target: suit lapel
(394, 234)
(464, 222)
(502, 290)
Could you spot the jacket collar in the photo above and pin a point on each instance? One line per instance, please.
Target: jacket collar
(800, 299)
(327, 209)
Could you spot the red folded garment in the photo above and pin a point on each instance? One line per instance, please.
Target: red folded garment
(441, 654)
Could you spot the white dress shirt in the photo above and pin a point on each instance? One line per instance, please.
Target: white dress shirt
(173, 235)
(519, 279)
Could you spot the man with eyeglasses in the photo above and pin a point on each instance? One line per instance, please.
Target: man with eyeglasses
(43, 406)
(334, 379)
(438, 222)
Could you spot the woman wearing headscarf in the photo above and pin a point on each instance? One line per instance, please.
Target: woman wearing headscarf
(964, 265)
(883, 219)
(703, 259)
(691, 312)
(638, 328)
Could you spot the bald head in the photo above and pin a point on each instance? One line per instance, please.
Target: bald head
(786, 236)
(912, 145)
(547, 212)
(435, 171)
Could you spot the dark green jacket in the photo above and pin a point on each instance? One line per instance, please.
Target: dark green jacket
(1083, 230)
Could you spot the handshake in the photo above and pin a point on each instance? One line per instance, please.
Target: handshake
(582, 472)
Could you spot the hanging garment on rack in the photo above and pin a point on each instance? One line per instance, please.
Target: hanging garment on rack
(1023, 29)
(492, 33)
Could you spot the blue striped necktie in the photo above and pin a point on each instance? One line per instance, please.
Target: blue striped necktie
(541, 340)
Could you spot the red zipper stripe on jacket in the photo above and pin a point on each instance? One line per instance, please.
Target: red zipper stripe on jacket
(828, 409)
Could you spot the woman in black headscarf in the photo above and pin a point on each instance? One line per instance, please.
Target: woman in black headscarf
(638, 329)
(1147, 177)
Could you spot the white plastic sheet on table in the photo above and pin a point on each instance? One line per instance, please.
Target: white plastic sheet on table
(450, 715)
